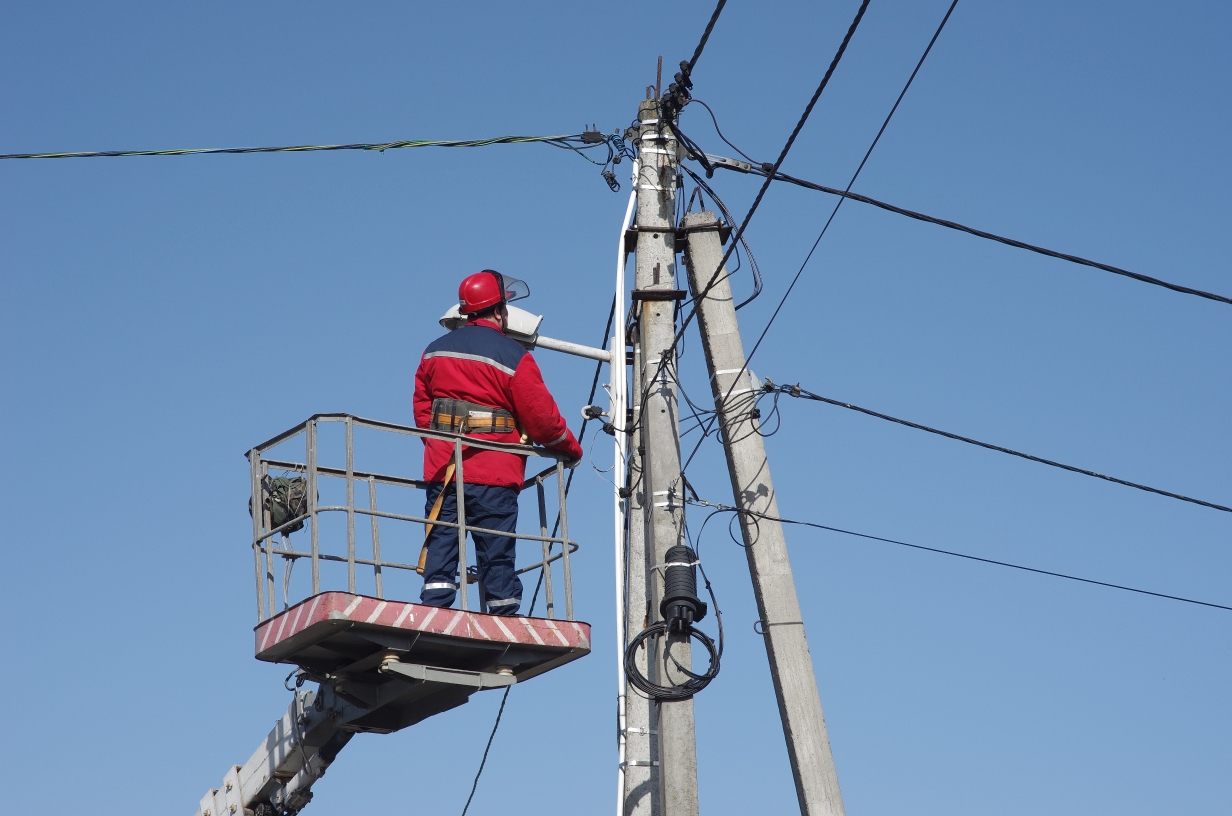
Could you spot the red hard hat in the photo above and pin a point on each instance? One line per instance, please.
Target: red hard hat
(486, 289)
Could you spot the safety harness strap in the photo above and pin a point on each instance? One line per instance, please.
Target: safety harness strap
(460, 416)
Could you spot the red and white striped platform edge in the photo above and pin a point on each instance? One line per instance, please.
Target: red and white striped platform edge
(418, 618)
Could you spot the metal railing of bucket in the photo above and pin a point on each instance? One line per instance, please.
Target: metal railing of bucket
(266, 551)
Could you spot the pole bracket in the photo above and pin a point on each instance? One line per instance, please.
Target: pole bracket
(658, 294)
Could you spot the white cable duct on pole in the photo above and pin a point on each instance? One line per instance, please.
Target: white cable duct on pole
(617, 417)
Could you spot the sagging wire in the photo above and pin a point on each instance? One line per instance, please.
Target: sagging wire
(618, 149)
(755, 515)
(1001, 239)
(744, 409)
(769, 171)
(753, 267)
(796, 391)
(591, 138)
(726, 141)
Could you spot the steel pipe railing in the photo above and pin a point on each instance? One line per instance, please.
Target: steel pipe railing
(266, 552)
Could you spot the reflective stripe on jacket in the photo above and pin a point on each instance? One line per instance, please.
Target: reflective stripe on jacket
(478, 363)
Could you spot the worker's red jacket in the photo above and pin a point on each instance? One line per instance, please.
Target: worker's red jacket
(479, 364)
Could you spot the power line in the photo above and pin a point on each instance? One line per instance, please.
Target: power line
(739, 232)
(677, 95)
(797, 391)
(701, 45)
(727, 508)
(854, 176)
(954, 225)
(833, 213)
(575, 142)
(791, 140)
(753, 267)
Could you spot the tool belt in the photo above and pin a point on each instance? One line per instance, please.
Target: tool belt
(460, 416)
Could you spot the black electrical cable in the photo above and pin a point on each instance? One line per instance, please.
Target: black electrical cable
(677, 95)
(1121, 587)
(797, 391)
(594, 386)
(574, 141)
(791, 140)
(1001, 239)
(674, 693)
(701, 45)
(488, 747)
(726, 141)
(753, 266)
(833, 212)
(856, 174)
(739, 232)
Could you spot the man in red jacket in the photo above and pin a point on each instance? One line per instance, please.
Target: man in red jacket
(479, 382)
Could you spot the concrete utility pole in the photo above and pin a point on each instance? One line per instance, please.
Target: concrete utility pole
(791, 666)
(658, 492)
(641, 792)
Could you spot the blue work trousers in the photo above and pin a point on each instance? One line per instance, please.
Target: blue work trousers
(495, 508)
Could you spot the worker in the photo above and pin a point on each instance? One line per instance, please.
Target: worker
(478, 381)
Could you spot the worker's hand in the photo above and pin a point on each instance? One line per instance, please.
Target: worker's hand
(572, 463)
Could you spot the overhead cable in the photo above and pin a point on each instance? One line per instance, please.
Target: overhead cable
(741, 167)
(701, 45)
(791, 140)
(677, 94)
(739, 232)
(670, 104)
(833, 212)
(852, 181)
(728, 508)
(475, 785)
(797, 391)
(566, 142)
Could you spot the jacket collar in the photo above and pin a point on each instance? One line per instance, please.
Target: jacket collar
(485, 322)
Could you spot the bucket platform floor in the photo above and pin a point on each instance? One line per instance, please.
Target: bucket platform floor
(337, 632)
(391, 664)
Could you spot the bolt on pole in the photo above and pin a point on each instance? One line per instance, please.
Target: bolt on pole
(661, 498)
(791, 665)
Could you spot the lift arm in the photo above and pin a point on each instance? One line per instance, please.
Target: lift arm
(278, 777)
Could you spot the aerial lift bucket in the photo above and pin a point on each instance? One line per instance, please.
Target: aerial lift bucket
(381, 664)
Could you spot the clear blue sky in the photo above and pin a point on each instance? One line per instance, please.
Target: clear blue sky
(160, 315)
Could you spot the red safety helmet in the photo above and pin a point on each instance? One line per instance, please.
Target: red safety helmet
(486, 289)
